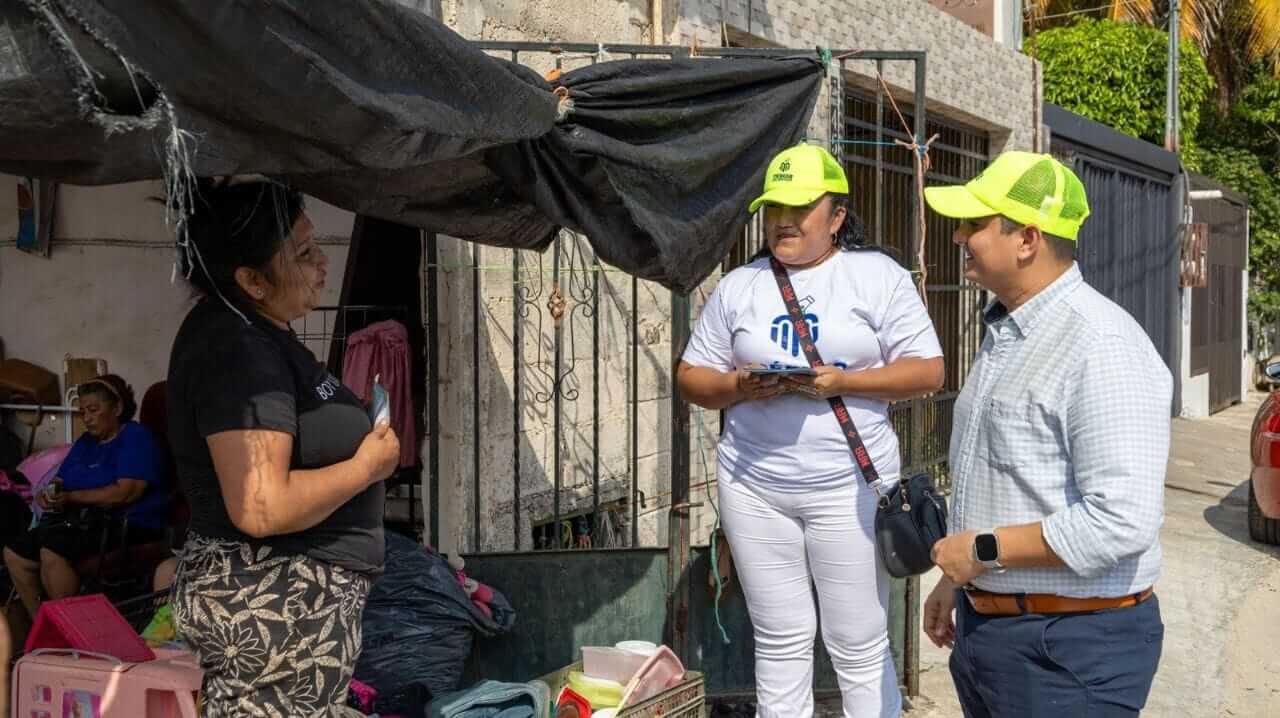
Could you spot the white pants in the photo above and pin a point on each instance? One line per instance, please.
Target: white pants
(785, 543)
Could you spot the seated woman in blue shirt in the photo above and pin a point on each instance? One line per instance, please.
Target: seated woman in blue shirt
(112, 480)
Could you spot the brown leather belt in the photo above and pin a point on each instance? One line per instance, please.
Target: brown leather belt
(1017, 604)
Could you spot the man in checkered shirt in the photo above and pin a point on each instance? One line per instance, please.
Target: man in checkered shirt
(1058, 456)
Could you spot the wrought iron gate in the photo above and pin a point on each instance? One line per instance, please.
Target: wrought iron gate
(541, 365)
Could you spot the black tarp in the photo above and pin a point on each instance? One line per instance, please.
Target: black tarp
(384, 111)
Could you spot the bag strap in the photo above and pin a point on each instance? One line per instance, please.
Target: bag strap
(860, 454)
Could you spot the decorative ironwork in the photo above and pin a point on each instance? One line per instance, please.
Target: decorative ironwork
(556, 304)
(576, 295)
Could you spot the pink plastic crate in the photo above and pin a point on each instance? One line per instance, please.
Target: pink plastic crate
(87, 623)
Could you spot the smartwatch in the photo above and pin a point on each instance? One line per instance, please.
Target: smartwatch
(986, 550)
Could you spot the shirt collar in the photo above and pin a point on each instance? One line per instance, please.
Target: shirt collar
(1026, 316)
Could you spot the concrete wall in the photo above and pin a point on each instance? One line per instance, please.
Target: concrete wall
(970, 78)
(1247, 359)
(1195, 389)
(105, 290)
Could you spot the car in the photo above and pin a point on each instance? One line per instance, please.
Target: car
(1264, 479)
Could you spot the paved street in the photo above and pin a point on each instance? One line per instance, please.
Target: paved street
(1220, 592)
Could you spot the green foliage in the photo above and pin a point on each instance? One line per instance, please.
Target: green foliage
(1114, 73)
(1253, 122)
(1260, 103)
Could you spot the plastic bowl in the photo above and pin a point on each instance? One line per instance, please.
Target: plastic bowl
(643, 648)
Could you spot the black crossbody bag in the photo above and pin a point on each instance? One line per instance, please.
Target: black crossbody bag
(911, 516)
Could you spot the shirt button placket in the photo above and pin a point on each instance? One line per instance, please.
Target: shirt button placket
(986, 376)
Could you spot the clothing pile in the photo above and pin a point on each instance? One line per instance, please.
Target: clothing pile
(480, 594)
(419, 625)
(492, 699)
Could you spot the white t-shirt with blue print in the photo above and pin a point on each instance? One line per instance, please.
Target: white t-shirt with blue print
(864, 312)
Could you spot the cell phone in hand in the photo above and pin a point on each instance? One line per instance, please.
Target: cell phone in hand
(380, 403)
(783, 370)
(51, 493)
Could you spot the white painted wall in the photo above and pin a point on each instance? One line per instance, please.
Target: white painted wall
(1246, 358)
(1195, 389)
(105, 290)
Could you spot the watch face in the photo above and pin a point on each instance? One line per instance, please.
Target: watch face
(985, 547)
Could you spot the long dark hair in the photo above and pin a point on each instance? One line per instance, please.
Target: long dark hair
(232, 226)
(852, 236)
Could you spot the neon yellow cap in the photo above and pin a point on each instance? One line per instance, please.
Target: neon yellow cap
(1024, 187)
(799, 175)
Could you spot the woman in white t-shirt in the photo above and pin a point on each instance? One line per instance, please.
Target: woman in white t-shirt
(792, 501)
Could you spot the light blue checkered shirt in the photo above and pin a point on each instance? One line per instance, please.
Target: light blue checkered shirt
(1064, 419)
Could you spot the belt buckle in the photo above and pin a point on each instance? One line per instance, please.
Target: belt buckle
(1020, 599)
(969, 591)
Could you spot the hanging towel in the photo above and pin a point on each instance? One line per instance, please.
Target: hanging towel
(382, 350)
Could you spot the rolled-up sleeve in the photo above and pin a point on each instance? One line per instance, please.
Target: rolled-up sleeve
(1117, 433)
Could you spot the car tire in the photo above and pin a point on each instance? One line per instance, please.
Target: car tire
(1262, 528)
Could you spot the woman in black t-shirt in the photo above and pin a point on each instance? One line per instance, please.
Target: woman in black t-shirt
(279, 462)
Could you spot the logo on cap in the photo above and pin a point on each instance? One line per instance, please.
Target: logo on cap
(784, 172)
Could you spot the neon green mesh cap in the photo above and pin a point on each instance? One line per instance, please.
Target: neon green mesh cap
(1025, 187)
(799, 175)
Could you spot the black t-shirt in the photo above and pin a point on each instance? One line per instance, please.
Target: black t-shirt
(225, 375)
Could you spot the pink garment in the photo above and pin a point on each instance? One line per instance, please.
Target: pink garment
(483, 594)
(40, 468)
(8, 486)
(382, 350)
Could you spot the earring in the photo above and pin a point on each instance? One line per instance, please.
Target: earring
(258, 294)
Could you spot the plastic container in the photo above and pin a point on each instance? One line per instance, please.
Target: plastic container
(612, 664)
(662, 670)
(58, 682)
(572, 704)
(599, 693)
(686, 700)
(644, 648)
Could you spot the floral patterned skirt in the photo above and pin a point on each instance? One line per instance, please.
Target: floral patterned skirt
(277, 634)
